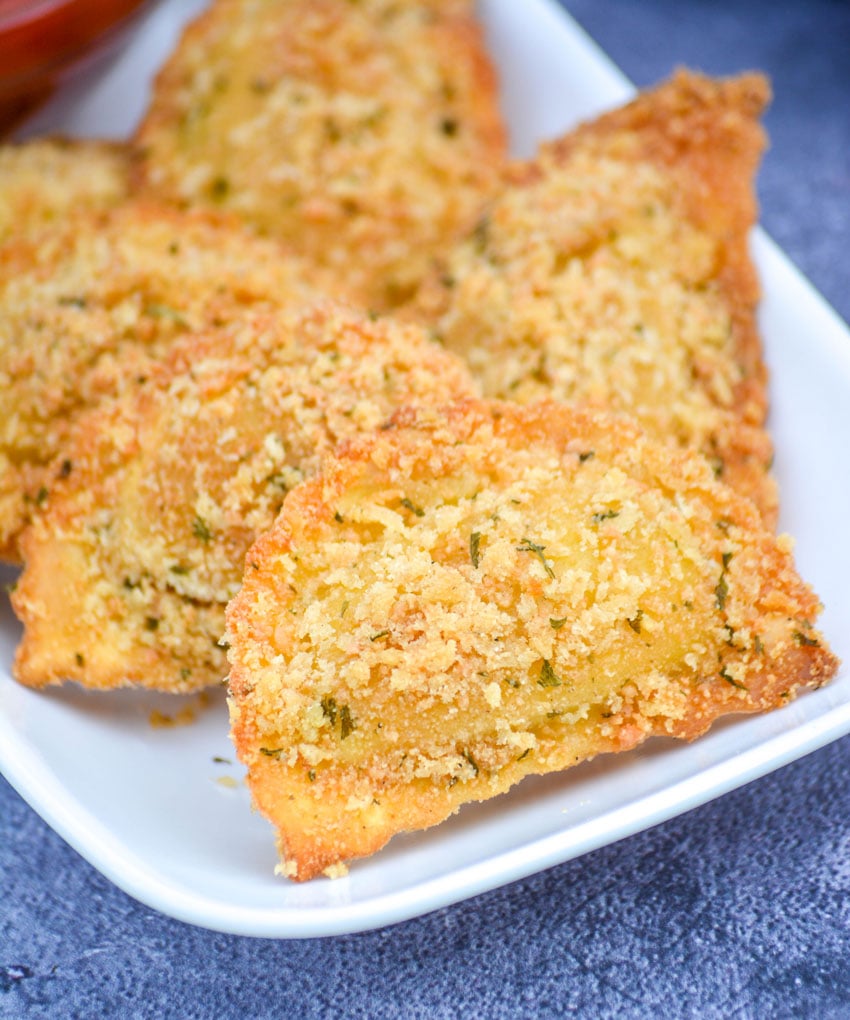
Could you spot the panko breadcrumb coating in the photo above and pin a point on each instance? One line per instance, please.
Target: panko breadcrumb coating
(46, 179)
(86, 307)
(169, 489)
(366, 135)
(614, 269)
(481, 593)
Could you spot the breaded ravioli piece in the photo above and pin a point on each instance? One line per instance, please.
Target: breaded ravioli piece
(614, 269)
(135, 555)
(366, 135)
(88, 306)
(48, 178)
(490, 591)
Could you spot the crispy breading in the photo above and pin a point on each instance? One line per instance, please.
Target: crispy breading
(45, 179)
(87, 306)
(490, 591)
(614, 269)
(367, 135)
(170, 488)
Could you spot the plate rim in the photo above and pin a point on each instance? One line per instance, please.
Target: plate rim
(43, 790)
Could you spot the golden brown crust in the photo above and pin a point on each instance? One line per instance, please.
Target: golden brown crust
(86, 309)
(706, 133)
(43, 180)
(170, 486)
(489, 591)
(614, 269)
(366, 135)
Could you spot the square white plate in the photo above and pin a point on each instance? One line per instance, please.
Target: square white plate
(146, 806)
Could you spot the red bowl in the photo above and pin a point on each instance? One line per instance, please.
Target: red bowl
(44, 41)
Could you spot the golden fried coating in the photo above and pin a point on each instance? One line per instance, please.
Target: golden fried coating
(366, 135)
(168, 490)
(43, 180)
(614, 269)
(87, 306)
(489, 591)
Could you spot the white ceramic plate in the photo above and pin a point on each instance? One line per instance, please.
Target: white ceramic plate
(147, 806)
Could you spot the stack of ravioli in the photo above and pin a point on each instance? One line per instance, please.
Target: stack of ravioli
(454, 469)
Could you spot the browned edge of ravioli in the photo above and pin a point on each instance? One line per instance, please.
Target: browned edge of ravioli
(706, 133)
(349, 795)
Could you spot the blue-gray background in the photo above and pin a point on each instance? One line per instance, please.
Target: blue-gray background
(738, 909)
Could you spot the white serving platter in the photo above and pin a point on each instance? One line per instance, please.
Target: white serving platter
(147, 806)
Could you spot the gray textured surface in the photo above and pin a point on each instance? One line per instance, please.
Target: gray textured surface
(739, 909)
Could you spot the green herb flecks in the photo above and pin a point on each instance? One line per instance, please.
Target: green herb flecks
(346, 723)
(159, 311)
(481, 235)
(471, 760)
(721, 591)
(605, 515)
(635, 621)
(731, 680)
(342, 713)
(329, 709)
(548, 677)
(272, 752)
(380, 634)
(475, 548)
(201, 530)
(804, 639)
(557, 624)
(536, 550)
(220, 188)
(412, 507)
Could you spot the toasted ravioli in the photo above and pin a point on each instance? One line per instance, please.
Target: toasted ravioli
(149, 532)
(85, 308)
(614, 269)
(489, 591)
(366, 135)
(46, 179)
